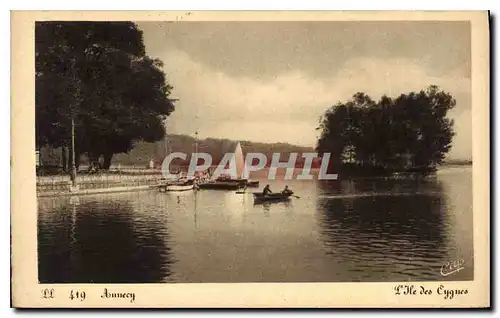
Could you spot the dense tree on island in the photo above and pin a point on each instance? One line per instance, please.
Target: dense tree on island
(410, 132)
(97, 73)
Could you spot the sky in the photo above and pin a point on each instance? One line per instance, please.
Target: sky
(271, 81)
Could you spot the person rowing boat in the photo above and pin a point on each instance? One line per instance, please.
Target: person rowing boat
(287, 191)
(267, 190)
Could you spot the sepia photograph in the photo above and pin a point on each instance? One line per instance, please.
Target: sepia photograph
(186, 151)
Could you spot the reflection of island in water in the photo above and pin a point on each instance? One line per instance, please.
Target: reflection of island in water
(117, 246)
(402, 232)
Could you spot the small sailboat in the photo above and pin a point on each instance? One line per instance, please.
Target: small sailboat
(240, 162)
(240, 169)
(234, 181)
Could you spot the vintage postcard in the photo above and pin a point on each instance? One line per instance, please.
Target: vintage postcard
(250, 159)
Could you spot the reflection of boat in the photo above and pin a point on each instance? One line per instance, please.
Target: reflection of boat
(272, 197)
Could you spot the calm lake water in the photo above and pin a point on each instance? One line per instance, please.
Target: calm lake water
(371, 230)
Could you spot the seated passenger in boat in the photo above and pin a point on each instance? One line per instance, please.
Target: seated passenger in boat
(286, 191)
(267, 190)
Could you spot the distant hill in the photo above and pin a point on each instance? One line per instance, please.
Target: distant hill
(143, 152)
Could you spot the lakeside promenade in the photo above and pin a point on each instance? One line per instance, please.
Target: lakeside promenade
(98, 183)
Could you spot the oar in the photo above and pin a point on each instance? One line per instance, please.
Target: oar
(296, 196)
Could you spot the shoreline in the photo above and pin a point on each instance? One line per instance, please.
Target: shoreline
(95, 191)
(48, 186)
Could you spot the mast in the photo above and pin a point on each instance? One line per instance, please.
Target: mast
(165, 145)
(196, 146)
(196, 141)
(166, 141)
(73, 152)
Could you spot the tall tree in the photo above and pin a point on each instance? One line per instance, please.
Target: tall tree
(97, 73)
(411, 131)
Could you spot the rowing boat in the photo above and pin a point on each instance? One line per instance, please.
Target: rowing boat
(272, 197)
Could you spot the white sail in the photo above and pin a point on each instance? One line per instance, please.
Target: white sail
(240, 161)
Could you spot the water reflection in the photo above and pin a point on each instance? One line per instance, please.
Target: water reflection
(266, 206)
(400, 232)
(365, 230)
(118, 246)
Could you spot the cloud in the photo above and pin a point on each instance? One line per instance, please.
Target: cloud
(286, 108)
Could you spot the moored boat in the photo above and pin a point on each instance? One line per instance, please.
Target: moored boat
(180, 187)
(252, 184)
(232, 181)
(220, 185)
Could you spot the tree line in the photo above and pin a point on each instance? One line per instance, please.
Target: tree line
(408, 133)
(97, 76)
(142, 152)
